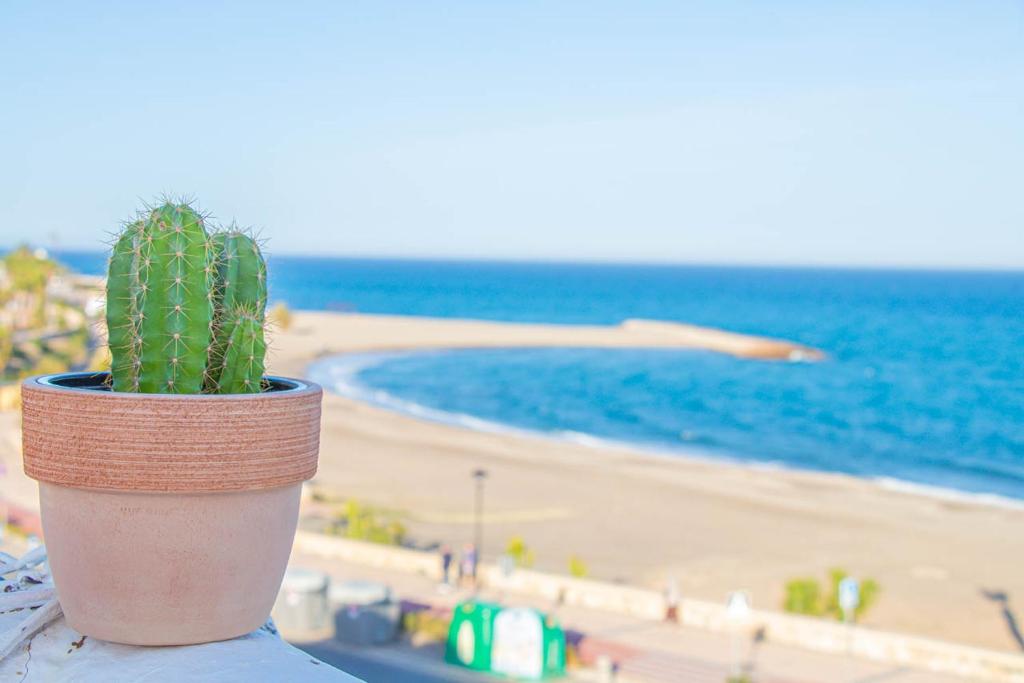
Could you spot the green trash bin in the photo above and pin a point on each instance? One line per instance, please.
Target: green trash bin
(516, 642)
(469, 636)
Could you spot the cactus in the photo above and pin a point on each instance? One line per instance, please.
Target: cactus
(121, 311)
(241, 286)
(180, 301)
(244, 351)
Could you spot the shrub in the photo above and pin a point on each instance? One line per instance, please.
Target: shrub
(49, 365)
(27, 272)
(365, 523)
(520, 553)
(280, 316)
(577, 567)
(5, 346)
(804, 596)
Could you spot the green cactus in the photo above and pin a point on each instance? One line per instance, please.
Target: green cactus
(121, 311)
(241, 285)
(244, 351)
(176, 299)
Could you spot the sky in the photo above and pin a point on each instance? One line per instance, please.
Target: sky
(872, 133)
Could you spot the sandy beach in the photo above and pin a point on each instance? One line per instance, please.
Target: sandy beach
(640, 518)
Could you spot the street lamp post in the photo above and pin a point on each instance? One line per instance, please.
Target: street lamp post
(479, 475)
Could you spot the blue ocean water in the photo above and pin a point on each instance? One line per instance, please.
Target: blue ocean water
(924, 382)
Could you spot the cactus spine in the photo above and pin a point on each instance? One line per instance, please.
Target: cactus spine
(179, 301)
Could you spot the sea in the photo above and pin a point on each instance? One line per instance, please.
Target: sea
(922, 388)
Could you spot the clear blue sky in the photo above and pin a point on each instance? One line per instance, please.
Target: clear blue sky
(877, 133)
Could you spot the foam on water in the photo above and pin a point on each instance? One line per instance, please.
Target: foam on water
(340, 374)
(947, 494)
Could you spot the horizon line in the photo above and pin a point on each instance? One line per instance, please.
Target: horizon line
(600, 261)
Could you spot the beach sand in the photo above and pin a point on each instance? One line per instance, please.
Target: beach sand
(641, 518)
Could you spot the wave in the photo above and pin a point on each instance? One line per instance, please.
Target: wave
(340, 373)
(948, 494)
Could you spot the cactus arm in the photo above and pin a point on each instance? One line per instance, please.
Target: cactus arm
(122, 310)
(250, 277)
(241, 284)
(242, 364)
(176, 301)
(241, 272)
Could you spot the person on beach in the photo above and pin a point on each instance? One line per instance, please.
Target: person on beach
(467, 568)
(446, 564)
(672, 598)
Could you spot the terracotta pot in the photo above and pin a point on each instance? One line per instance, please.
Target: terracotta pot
(168, 519)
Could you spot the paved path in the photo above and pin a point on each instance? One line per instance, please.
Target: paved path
(393, 664)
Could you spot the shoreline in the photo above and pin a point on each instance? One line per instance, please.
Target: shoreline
(348, 387)
(633, 518)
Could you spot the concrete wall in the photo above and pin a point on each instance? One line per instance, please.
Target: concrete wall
(369, 554)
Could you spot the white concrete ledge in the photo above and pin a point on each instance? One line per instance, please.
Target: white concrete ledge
(36, 644)
(58, 653)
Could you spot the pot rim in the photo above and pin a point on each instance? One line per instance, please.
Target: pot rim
(98, 382)
(94, 438)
